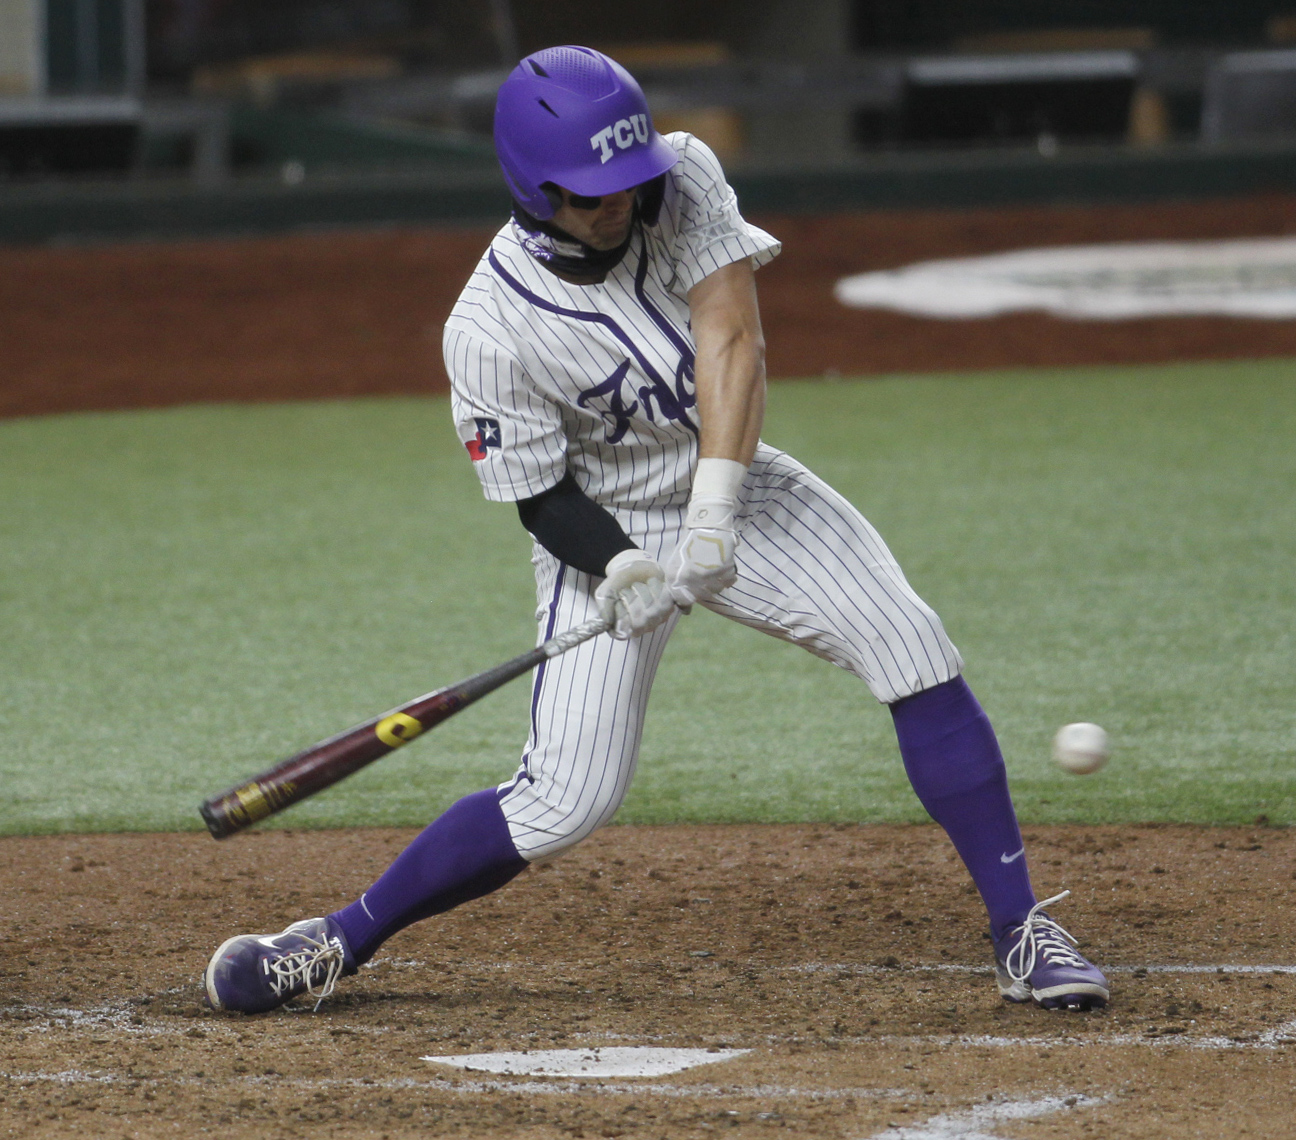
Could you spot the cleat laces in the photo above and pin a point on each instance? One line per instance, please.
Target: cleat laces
(315, 969)
(1041, 937)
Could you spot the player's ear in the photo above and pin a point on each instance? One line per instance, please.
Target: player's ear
(650, 199)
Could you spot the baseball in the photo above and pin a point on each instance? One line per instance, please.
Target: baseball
(1081, 748)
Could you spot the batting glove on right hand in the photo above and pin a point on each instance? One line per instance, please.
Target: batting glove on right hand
(703, 563)
(634, 595)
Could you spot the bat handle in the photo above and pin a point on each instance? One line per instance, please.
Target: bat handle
(571, 638)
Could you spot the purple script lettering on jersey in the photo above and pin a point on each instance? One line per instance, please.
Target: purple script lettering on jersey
(488, 436)
(684, 394)
(672, 403)
(618, 411)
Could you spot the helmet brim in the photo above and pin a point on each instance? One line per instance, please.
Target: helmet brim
(623, 171)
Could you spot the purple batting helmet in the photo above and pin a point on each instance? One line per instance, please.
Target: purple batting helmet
(574, 117)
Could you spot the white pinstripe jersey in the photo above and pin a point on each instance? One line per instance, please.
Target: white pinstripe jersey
(547, 376)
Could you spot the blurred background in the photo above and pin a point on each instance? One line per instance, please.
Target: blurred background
(221, 199)
(811, 103)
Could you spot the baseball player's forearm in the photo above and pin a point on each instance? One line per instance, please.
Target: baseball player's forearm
(573, 527)
(729, 367)
(729, 380)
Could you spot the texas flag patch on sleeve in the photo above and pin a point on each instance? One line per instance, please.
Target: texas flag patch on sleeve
(488, 436)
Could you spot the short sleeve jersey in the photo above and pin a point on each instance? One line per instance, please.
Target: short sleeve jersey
(549, 377)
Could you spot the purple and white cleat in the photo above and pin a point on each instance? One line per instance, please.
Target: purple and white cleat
(253, 973)
(1038, 961)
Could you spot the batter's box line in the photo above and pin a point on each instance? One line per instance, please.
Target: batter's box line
(515, 1085)
(69, 1077)
(1275, 1038)
(1271, 1039)
(974, 1123)
(36, 1019)
(611, 1087)
(986, 971)
(470, 967)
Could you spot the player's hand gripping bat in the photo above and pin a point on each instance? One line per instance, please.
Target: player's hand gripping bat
(334, 759)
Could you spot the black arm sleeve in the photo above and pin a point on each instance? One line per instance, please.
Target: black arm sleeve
(573, 527)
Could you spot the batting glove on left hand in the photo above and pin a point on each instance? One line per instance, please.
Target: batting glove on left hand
(703, 563)
(634, 595)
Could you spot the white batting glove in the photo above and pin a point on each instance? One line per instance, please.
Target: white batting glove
(703, 563)
(634, 595)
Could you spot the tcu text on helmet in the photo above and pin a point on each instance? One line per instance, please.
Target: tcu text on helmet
(624, 132)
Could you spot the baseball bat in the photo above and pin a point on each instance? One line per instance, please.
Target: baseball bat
(331, 760)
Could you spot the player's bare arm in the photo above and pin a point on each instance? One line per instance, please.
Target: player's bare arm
(729, 369)
(729, 374)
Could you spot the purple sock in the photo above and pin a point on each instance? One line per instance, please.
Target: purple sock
(954, 764)
(463, 854)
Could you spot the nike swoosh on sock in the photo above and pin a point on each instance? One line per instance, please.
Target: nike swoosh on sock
(1012, 858)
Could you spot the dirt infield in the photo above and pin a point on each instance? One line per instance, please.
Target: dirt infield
(849, 962)
(346, 314)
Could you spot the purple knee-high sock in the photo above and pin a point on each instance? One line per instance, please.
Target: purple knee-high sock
(954, 764)
(463, 854)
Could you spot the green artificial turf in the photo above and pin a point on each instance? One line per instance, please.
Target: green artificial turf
(188, 595)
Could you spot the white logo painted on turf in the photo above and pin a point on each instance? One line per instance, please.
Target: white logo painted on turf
(1255, 277)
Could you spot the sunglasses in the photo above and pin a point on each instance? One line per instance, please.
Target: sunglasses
(585, 202)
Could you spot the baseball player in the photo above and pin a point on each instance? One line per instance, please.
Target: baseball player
(607, 365)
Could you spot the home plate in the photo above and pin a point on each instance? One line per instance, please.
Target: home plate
(614, 1061)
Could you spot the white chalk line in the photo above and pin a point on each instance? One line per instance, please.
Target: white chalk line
(987, 970)
(1278, 1037)
(69, 1077)
(966, 1124)
(52, 1018)
(134, 1020)
(614, 1088)
(973, 1123)
(465, 967)
(479, 1085)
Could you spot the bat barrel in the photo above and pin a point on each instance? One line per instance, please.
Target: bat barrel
(331, 760)
(300, 776)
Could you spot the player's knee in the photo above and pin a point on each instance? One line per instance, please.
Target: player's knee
(545, 830)
(537, 845)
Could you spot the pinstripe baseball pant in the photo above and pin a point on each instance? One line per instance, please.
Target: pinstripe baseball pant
(811, 570)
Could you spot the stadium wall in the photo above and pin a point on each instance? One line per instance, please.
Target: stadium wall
(146, 208)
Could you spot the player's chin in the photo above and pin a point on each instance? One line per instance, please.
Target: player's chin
(610, 236)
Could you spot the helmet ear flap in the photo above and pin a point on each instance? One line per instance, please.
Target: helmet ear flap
(552, 194)
(650, 199)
